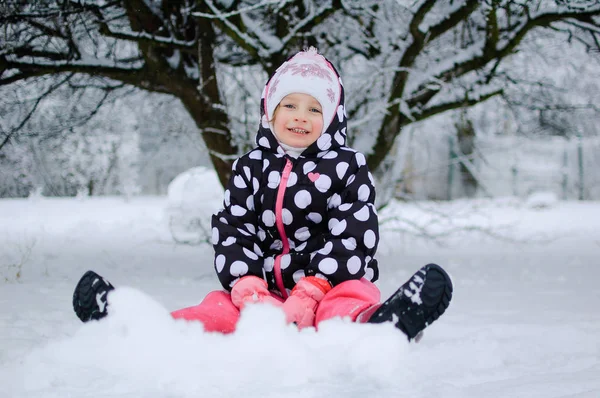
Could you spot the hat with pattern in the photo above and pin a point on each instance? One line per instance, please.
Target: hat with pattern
(307, 72)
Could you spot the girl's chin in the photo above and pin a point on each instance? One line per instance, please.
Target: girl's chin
(299, 142)
(302, 139)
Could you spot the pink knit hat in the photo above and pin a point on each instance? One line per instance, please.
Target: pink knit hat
(310, 73)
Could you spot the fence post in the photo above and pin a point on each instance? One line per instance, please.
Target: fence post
(452, 157)
(514, 169)
(565, 172)
(515, 180)
(580, 164)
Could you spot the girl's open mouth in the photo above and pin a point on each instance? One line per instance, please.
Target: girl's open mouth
(298, 130)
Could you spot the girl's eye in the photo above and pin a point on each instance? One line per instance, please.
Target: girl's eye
(289, 106)
(315, 110)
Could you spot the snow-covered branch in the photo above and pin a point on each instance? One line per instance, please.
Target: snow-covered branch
(427, 112)
(222, 15)
(250, 33)
(46, 93)
(453, 19)
(250, 44)
(312, 19)
(145, 37)
(130, 73)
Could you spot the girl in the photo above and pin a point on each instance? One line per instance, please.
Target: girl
(299, 227)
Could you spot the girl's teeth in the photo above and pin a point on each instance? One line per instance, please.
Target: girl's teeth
(300, 131)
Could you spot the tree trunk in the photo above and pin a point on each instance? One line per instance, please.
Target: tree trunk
(201, 97)
(465, 135)
(391, 128)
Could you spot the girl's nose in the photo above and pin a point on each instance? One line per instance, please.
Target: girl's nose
(301, 116)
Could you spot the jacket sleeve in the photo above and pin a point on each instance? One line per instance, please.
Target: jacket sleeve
(234, 229)
(353, 226)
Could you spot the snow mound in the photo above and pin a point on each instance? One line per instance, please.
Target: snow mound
(193, 196)
(541, 200)
(140, 348)
(195, 186)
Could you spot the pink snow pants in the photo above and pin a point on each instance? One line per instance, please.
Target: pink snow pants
(356, 299)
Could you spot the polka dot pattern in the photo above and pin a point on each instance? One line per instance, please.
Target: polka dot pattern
(350, 243)
(238, 268)
(292, 180)
(314, 217)
(302, 199)
(219, 262)
(323, 183)
(268, 218)
(250, 203)
(354, 265)
(238, 211)
(264, 142)
(229, 241)
(308, 167)
(302, 234)
(298, 275)
(362, 214)
(328, 266)
(341, 112)
(239, 182)
(364, 192)
(287, 216)
(341, 169)
(274, 179)
(215, 236)
(370, 239)
(324, 142)
(326, 218)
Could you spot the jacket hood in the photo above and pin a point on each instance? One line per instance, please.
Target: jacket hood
(333, 136)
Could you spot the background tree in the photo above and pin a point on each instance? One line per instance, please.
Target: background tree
(402, 62)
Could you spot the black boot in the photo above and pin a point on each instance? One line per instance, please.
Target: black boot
(418, 302)
(89, 297)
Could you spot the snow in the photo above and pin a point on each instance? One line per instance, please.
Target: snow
(524, 321)
(542, 199)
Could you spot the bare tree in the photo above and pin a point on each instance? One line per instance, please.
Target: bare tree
(177, 48)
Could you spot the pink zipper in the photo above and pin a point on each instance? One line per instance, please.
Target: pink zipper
(279, 222)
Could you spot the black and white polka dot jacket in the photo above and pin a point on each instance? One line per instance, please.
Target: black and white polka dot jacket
(286, 218)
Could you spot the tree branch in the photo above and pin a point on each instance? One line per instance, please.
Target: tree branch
(453, 19)
(37, 102)
(235, 32)
(54, 12)
(187, 46)
(427, 92)
(236, 11)
(419, 41)
(443, 107)
(313, 19)
(46, 30)
(137, 76)
(394, 119)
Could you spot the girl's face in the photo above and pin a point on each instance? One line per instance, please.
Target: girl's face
(298, 120)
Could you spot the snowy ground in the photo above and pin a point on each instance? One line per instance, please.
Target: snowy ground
(524, 322)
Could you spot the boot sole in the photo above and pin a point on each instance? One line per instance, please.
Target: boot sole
(84, 297)
(436, 292)
(439, 289)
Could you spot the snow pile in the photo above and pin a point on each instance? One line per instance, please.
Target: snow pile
(193, 196)
(541, 200)
(194, 188)
(140, 348)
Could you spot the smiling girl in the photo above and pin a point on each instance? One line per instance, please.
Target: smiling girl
(299, 228)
